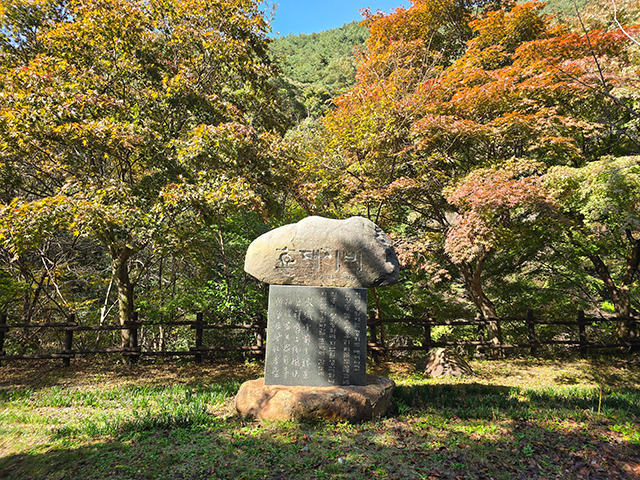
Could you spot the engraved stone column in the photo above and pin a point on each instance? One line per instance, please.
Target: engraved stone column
(316, 336)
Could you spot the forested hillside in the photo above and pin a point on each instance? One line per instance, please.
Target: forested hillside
(325, 58)
(319, 66)
(145, 143)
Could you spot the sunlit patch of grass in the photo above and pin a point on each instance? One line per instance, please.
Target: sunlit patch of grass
(629, 431)
(492, 394)
(75, 415)
(15, 395)
(151, 408)
(191, 416)
(132, 396)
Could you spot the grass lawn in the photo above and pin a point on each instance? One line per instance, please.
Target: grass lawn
(517, 419)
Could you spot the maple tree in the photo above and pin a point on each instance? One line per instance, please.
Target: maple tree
(499, 207)
(585, 110)
(122, 121)
(424, 138)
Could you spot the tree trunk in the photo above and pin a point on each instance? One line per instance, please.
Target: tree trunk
(120, 268)
(622, 305)
(31, 296)
(472, 279)
(30, 300)
(376, 300)
(619, 294)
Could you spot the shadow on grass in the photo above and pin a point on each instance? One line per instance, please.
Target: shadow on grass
(613, 373)
(462, 400)
(479, 401)
(421, 447)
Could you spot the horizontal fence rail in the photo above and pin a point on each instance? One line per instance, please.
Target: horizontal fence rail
(375, 345)
(133, 351)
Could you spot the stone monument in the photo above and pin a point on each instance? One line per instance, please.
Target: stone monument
(319, 270)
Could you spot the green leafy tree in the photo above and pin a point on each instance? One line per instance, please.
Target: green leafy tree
(126, 121)
(600, 203)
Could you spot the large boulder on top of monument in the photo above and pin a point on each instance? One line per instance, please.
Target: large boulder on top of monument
(319, 251)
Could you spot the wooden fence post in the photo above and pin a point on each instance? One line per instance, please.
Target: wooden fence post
(3, 322)
(427, 335)
(198, 356)
(68, 339)
(633, 335)
(133, 355)
(261, 336)
(533, 339)
(582, 332)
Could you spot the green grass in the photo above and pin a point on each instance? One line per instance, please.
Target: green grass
(515, 419)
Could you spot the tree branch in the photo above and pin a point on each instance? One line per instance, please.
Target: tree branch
(615, 19)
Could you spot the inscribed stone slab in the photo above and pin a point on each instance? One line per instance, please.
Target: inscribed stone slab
(324, 252)
(316, 336)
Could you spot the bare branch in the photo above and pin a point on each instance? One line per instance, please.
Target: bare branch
(615, 18)
(592, 51)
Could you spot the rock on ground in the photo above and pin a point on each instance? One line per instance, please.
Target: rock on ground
(446, 363)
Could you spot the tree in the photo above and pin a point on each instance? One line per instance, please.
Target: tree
(500, 209)
(422, 130)
(437, 32)
(118, 116)
(601, 221)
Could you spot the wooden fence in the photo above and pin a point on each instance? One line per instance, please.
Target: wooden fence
(133, 351)
(376, 344)
(581, 322)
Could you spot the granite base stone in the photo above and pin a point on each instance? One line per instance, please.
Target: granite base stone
(337, 403)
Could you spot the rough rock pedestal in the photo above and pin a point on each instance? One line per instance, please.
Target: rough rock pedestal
(339, 404)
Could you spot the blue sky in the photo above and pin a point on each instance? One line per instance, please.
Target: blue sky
(309, 16)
